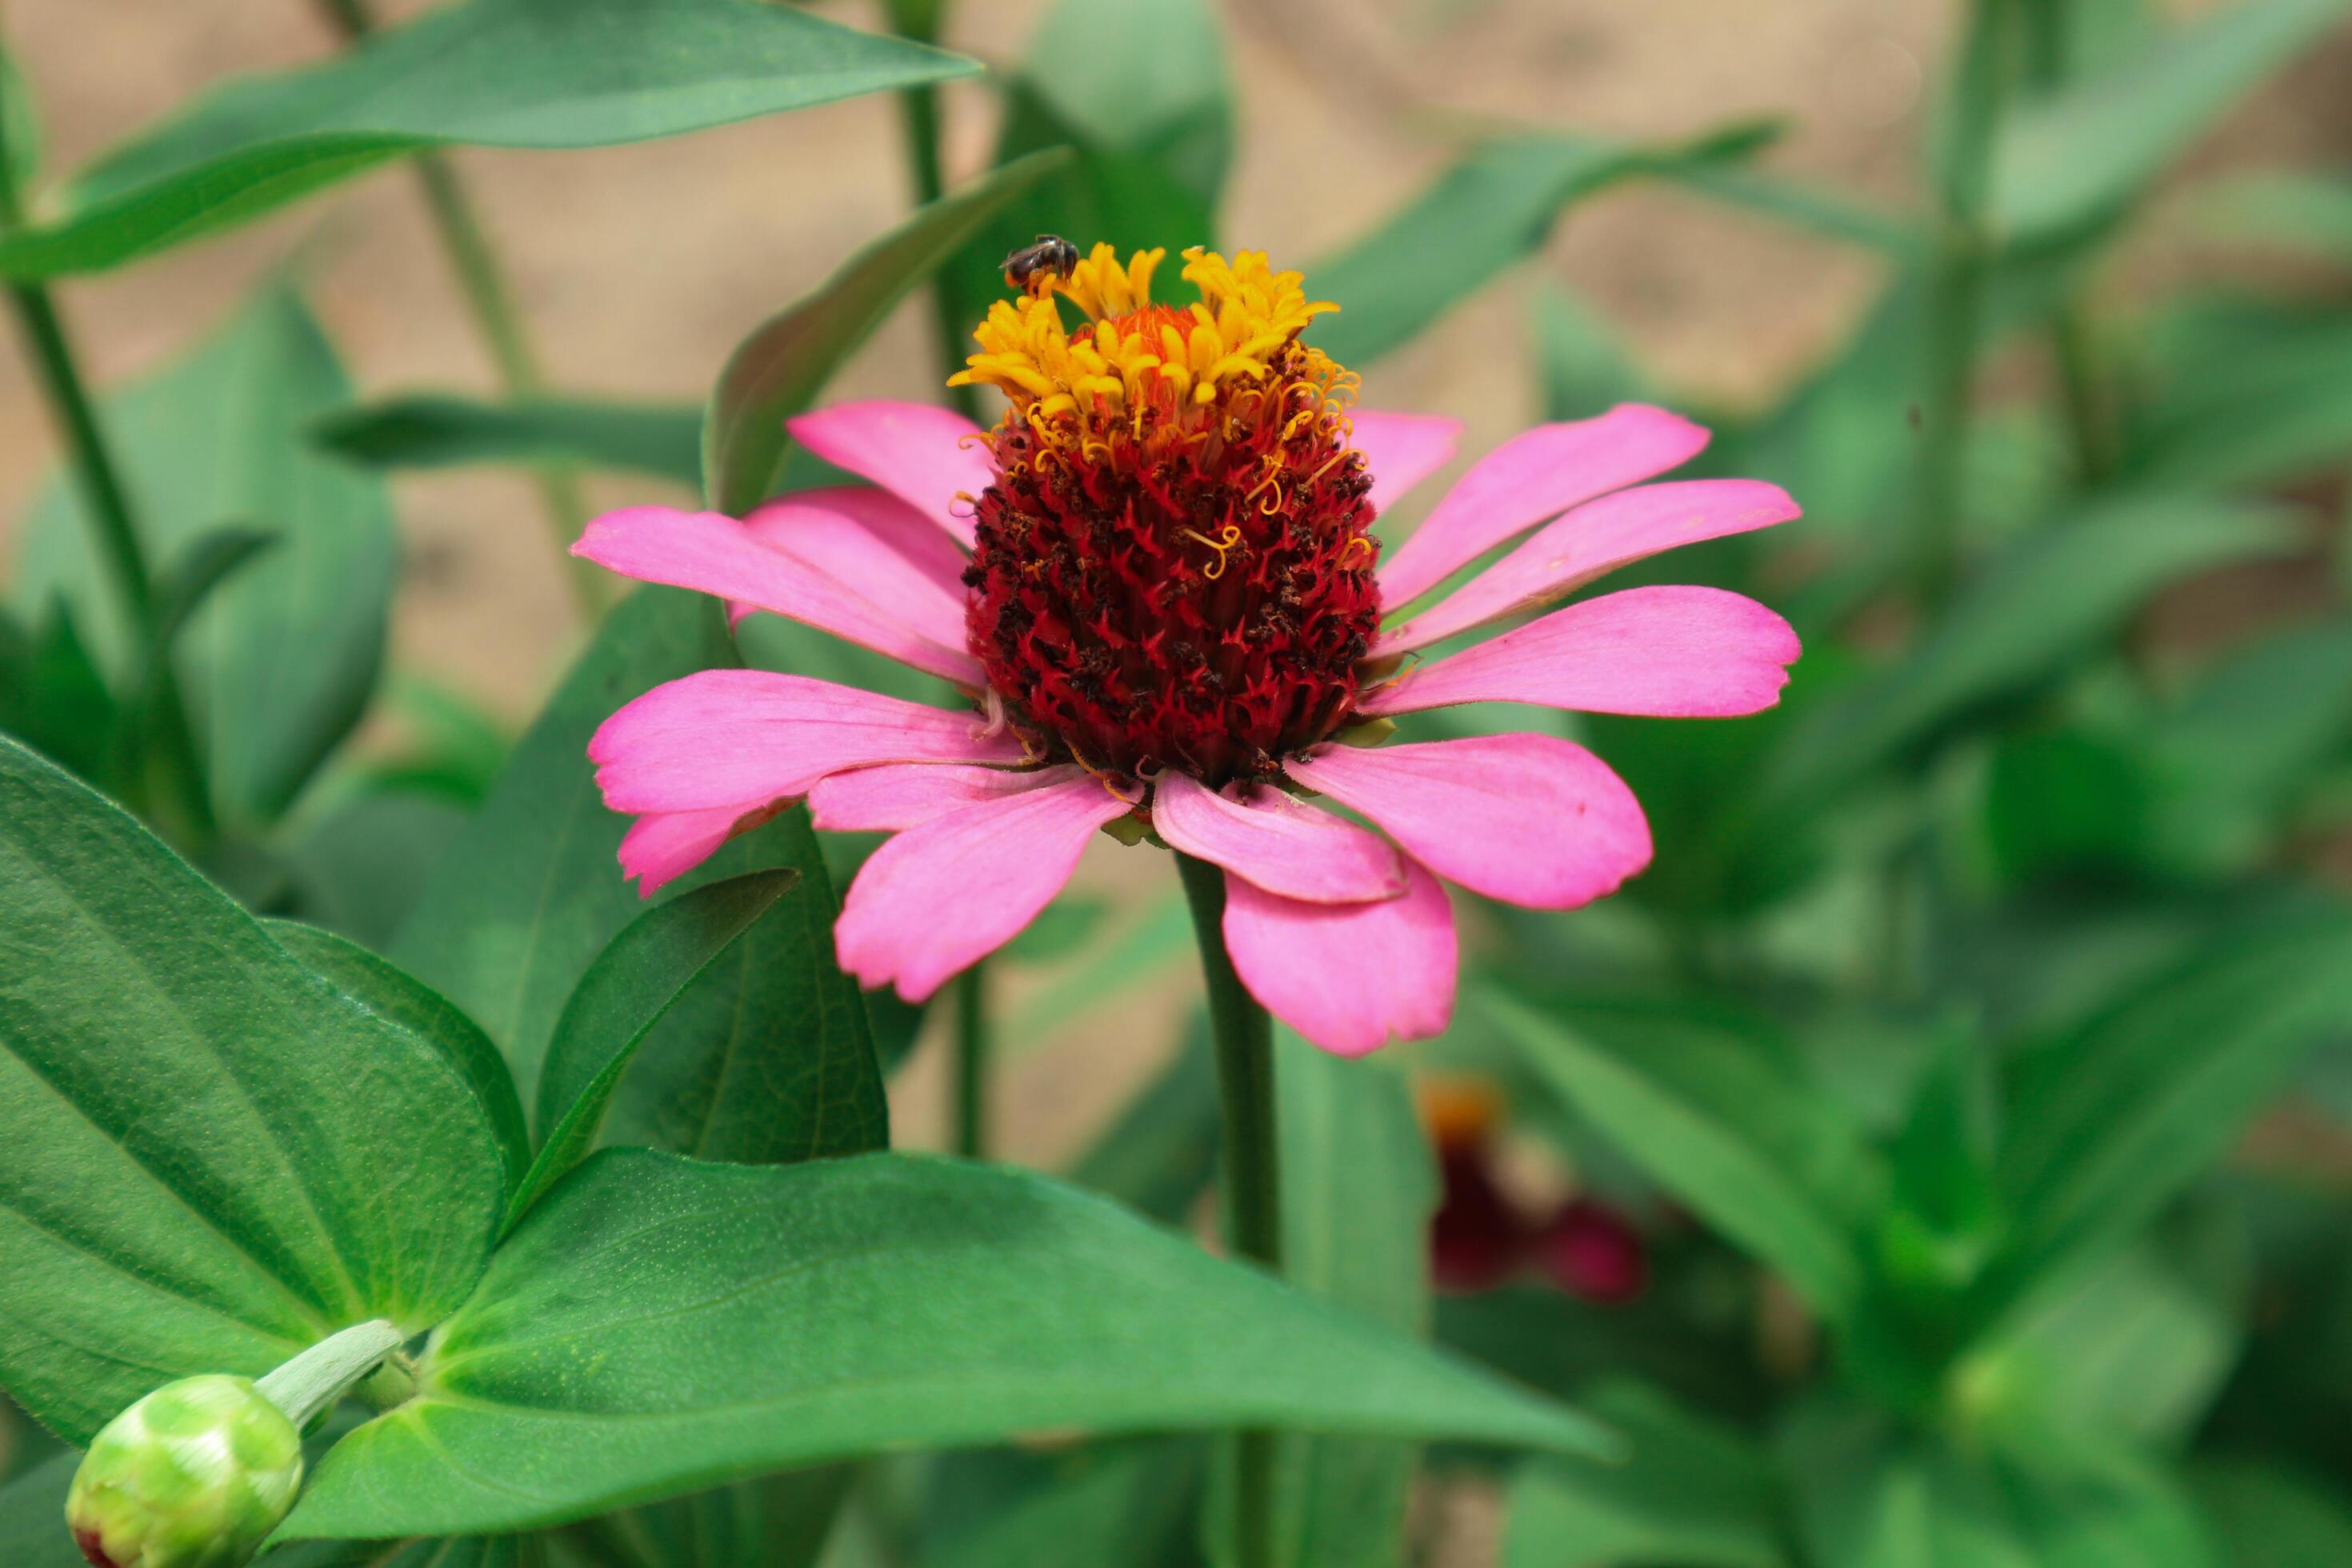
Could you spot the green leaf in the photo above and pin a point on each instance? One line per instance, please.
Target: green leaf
(1358, 1189)
(277, 663)
(2107, 1128)
(62, 706)
(2267, 1517)
(2277, 209)
(1694, 1494)
(1148, 124)
(495, 73)
(204, 564)
(1159, 1157)
(2055, 593)
(1585, 370)
(216, 1157)
(770, 1056)
(2081, 153)
(1707, 1118)
(2243, 396)
(2139, 1346)
(778, 370)
(387, 990)
(1129, 1503)
(438, 430)
(532, 890)
(358, 868)
(1492, 208)
(659, 1324)
(32, 1516)
(776, 1521)
(616, 1004)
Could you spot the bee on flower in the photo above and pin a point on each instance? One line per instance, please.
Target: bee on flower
(1156, 580)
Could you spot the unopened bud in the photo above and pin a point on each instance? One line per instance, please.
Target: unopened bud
(196, 1475)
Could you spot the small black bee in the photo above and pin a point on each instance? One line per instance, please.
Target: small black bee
(1029, 268)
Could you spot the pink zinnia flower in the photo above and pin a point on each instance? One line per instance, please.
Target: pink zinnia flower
(1155, 579)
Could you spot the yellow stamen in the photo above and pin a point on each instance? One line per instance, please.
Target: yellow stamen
(1227, 537)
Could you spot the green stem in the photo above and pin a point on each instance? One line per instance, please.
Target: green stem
(322, 1375)
(491, 299)
(919, 107)
(107, 504)
(972, 1062)
(2074, 344)
(1955, 299)
(1252, 1188)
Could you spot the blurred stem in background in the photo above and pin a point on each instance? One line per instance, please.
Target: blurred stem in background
(490, 298)
(2073, 342)
(920, 20)
(972, 1062)
(1251, 1185)
(1956, 292)
(174, 781)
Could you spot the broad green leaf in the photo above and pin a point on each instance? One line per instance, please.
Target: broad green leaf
(767, 1056)
(623, 995)
(2081, 153)
(277, 663)
(1694, 1494)
(778, 370)
(660, 1324)
(1358, 1189)
(1149, 123)
(2273, 1518)
(215, 1157)
(496, 73)
(1708, 1118)
(1160, 1154)
(1490, 210)
(2050, 595)
(434, 430)
(384, 988)
(203, 564)
(2107, 1128)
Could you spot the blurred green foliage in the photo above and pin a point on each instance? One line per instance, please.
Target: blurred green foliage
(1972, 1065)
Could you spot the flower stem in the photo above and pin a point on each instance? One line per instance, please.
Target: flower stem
(1252, 1189)
(107, 504)
(322, 1375)
(1956, 293)
(2073, 342)
(491, 300)
(919, 21)
(972, 1062)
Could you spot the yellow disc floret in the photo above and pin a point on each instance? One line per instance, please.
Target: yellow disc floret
(1134, 356)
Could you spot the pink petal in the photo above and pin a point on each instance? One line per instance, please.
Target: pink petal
(1590, 542)
(1536, 475)
(1400, 450)
(938, 897)
(1669, 653)
(664, 847)
(1530, 819)
(1283, 845)
(746, 737)
(715, 555)
(1349, 977)
(921, 454)
(886, 799)
(878, 547)
(814, 525)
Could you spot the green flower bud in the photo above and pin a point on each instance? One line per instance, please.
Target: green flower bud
(194, 1476)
